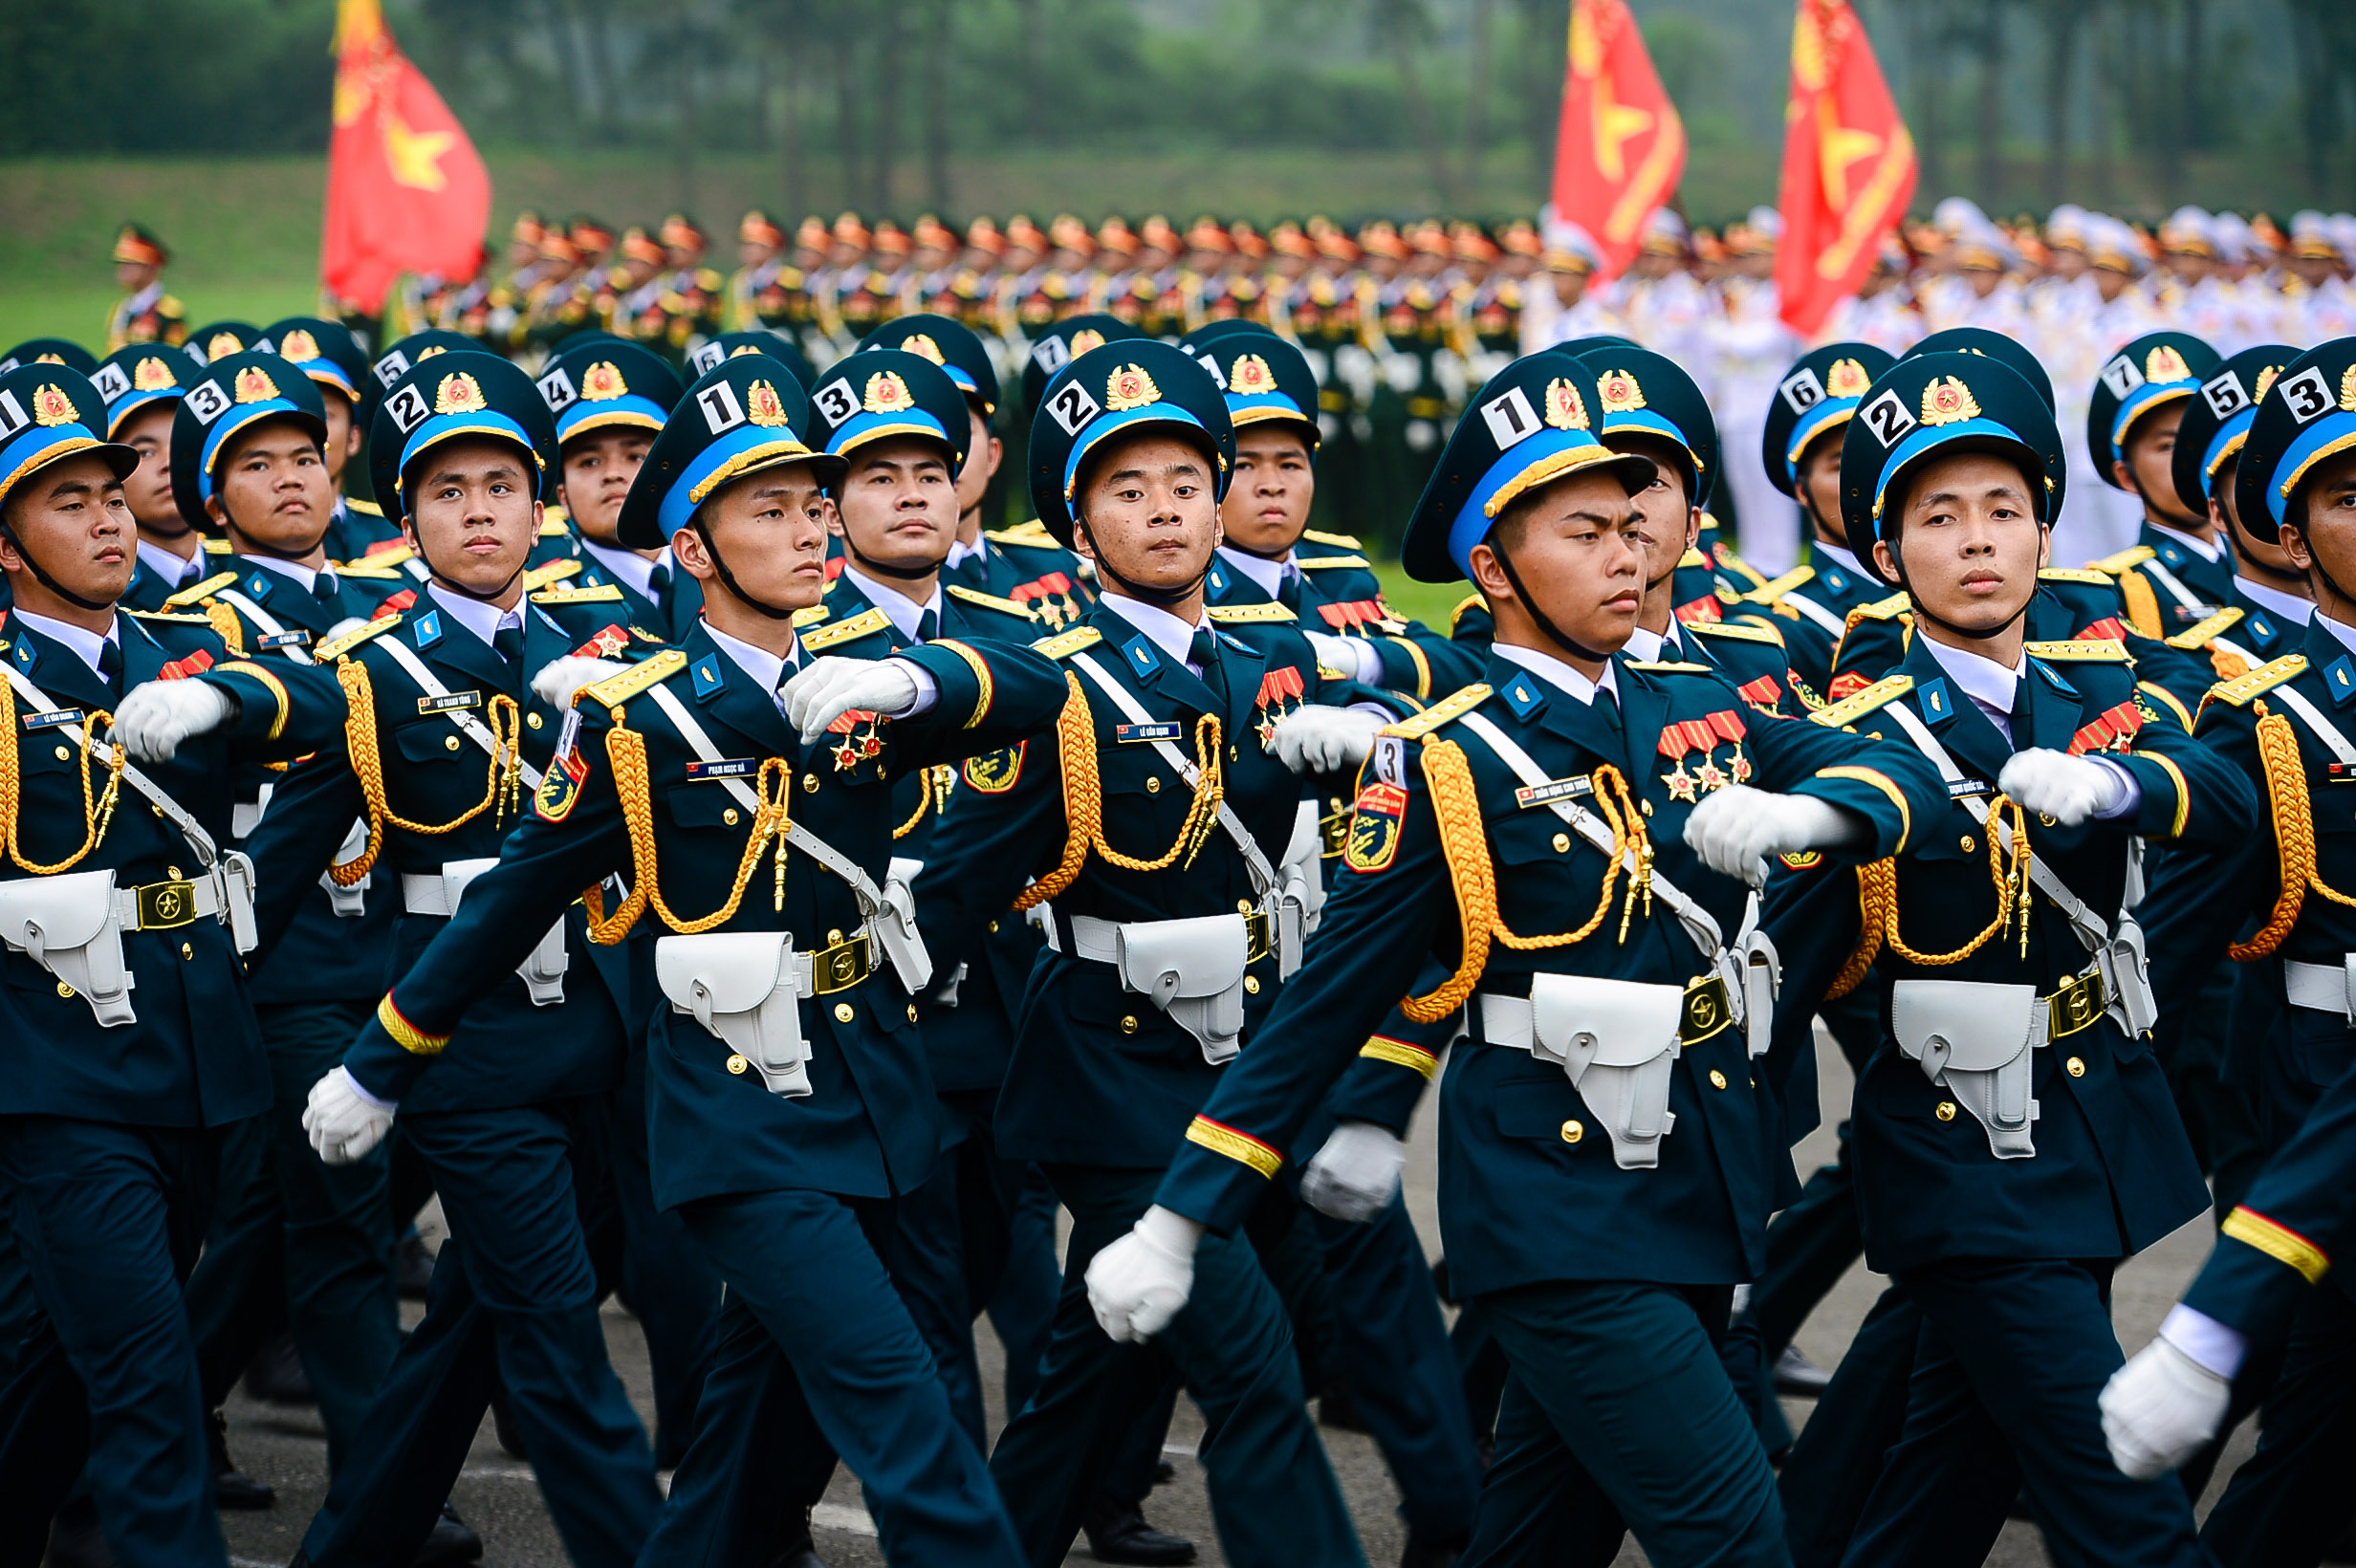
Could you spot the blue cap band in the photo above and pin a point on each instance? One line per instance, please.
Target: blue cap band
(861, 428)
(238, 418)
(131, 403)
(474, 422)
(1649, 423)
(2138, 402)
(1522, 467)
(40, 446)
(1824, 414)
(2228, 441)
(1930, 438)
(738, 452)
(1108, 424)
(2326, 437)
(1252, 408)
(627, 409)
(331, 374)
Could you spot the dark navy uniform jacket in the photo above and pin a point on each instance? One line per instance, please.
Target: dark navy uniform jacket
(868, 1129)
(2152, 572)
(1026, 565)
(1529, 1187)
(194, 1057)
(669, 614)
(1340, 596)
(1811, 606)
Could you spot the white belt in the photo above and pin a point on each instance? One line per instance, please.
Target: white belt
(2325, 988)
(1193, 970)
(439, 893)
(1617, 1040)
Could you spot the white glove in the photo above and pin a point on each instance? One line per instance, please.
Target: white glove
(1735, 828)
(2161, 1406)
(156, 718)
(1324, 740)
(1140, 1282)
(344, 1121)
(832, 687)
(561, 679)
(1347, 654)
(2055, 784)
(1354, 1177)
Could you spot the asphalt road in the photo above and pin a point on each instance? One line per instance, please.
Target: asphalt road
(499, 1497)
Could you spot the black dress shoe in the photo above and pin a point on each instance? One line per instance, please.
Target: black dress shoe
(449, 1542)
(801, 1552)
(276, 1375)
(1118, 1533)
(413, 1270)
(1798, 1375)
(1441, 1554)
(1164, 1474)
(75, 1541)
(231, 1487)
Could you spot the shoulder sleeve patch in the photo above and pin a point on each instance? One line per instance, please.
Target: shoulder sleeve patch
(540, 576)
(2260, 680)
(1736, 631)
(1252, 614)
(604, 593)
(2216, 625)
(615, 689)
(870, 619)
(2079, 651)
(2086, 574)
(1849, 709)
(197, 591)
(2126, 560)
(1444, 712)
(990, 601)
(1068, 643)
(335, 647)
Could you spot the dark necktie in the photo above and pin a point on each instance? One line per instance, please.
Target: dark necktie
(508, 643)
(1288, 591)
(110, 666)
(324, 589)
(928, 624)
(1608, 708)
(659, 583)
(1204, 651)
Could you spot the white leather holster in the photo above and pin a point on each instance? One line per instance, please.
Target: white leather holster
(1617, 1039)
(745, 987)
(1190, 970)
(1977, 1039)
(542, 971)
(894, 928)
(72, 926)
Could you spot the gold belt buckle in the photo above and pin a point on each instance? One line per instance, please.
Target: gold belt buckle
(839, 965)
(1706, 1011)
(166, 904)
(2074, 1006)
(1258, 936)
(1334, 832)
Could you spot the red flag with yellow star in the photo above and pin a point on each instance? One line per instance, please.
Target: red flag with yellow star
(1622, 146)
(1849, 165)
(406, 192)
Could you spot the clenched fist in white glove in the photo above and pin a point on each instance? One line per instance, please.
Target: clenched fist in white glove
(1354, 1177)
(1140, 1282)
(834, 685)
(343, 1120)
(2160, 1408)
(156, 718)
(2065, 788)
(1350, 656)
(1324, 740)
(1735, 828)
(561, 679)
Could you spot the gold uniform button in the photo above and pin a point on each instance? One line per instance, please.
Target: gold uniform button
(534, 720)
(1645, 806)
(1251, 985)
(1946, 1111)
(172, 871)
(993, 927)
(1562, 843)
(1128, 1023)
(844, 1013)
(450, 744)
(65, 990)
(809, 783)
(911, 1013)
(1153, 786)
(65, 756)
(1717, 1079)
(2076, 1067)
(737, 1064)
(158, 811)
(1573, 1132)
(187, 950)
(2045, 818)
(1969, 844)
(729, 816)
(834, 936)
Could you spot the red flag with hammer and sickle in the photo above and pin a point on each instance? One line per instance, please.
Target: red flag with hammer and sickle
(1622, 146)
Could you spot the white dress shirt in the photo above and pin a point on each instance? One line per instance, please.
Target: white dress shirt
(85, 644)
(902, 612)
(628, 565)
(1559, 675)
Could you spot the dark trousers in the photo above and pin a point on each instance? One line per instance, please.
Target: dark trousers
(514, 1300)
(106, 1221)
(2289, 1500)
(2011, 1355)
(1272, 1494)
(300, 1244)
(1618, 1417)
(815, 1355)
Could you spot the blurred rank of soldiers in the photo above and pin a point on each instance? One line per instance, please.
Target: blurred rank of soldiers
(142, 384)
(2180, 569)
(147, 313)
(121, 737)
(566, 298)
(767, 289)
(331, 356)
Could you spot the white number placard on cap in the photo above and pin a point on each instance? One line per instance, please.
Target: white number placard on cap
(1888, 419)
(1073, 406)
(557, 390)
(836, 402)
(207, 402)
(408, 409)
(706, 355)
(1801, 391)
(391, 368)
(110, 382)
(2307, 393)
(2224, 395)
(1052, 354)
(13, 415)
(2122, 377)
(1510, 418)
(721, 409)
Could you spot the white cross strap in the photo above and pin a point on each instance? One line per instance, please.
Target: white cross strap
(207, 850)
(468, 725)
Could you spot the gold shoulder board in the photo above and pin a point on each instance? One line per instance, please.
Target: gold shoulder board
(1311, 563)
(540, 576)
(368, 571)
(335, 647)
(1069, 642)
(615, 689)
(1444, 712)
(1693, 558)
(990, 601)
(366, 507)
(1775, 588)
(216, 547)
(2126, 560)
(1739, 631)
(2086, 574)
(199, 591)
(1882, 609)
(810, 616)
(395, 556)
(1880, 694)
(2216, 625)
(1252, 614)
(1671, 666)
(170, 616)
(552, 525)
(1340, 542)
(602, 592)
(870, 619)
(2079, 650)
(1033, 532)
(1469, 601)
(2260, 680)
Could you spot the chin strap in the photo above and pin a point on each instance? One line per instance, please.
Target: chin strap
(442, 582)
(49, 582)
(1158, 598)
(1529, 605)
(727, 578)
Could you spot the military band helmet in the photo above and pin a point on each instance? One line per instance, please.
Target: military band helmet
(1937, 404)
(1641, 393)
(231, 394)
(1062, 343)
(746, 415)
(1816, 398)
(1121, 388)
(139, 373)
(881, 393)
(444, 397)
(48, 413)
(2012, 351)
(1263, 377)
(2306, 416)
(2154, 370)
(323, 350)
(49, 351)
(1535, 422)
(606, 385)
(949, 343)
(2217, 422)
(707, 355)
(221, 340)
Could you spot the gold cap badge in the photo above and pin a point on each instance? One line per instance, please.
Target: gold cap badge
(602, 382)
(152, 376)
(1129, 388)
(2347, 389)
(922, 344)
(1619, 391)
(2266, 382)
(1084, 339)
(1251, 376)
(2165, 364)
(1846, 378)
(299, 345)
(459, 394)
(1947, 401)
(887, 394)
(221, 343)
(1566, 408)
(51, 406)
(254, 385)
(763, 406)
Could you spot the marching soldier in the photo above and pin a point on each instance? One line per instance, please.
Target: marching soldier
(611, 399)
(142, 384)
(221, 340)
(2015, 1135)
(136, 1045)
(2180, 569)
(145, 313)
(49, 351)
(1584, 1215)
(327, 352)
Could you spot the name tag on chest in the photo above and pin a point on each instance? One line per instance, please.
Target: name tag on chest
(449, 702)
(2334, 772)
(1552, 789)
(1139, 735)
(724, 768)
(1965, 789)
(295, 639)
(55, 717)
